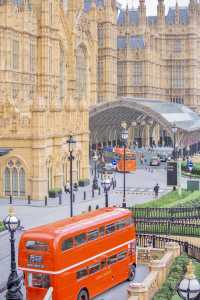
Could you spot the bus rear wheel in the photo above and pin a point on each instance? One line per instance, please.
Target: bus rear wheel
(131, 275)
(83, 295)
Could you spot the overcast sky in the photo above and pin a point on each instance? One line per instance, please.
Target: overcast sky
(152, 4)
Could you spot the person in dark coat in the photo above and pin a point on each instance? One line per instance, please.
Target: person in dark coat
(156, 190)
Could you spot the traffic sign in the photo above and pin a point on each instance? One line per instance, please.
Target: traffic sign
(172, 173)
(114, 163)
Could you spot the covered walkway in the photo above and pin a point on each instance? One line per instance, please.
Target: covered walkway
(150, 122)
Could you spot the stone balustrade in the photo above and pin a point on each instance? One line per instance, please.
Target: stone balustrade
(159, 269)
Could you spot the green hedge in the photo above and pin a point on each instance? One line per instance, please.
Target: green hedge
(1, 227)
(176, 273)
(54, 192)
(195, 169)
(84, 182)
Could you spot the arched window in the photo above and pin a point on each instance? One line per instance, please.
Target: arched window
(14, 179)
(22, 184)
(14, 182)
(81, 73)
(7, 181)
(78, 168)
(49, 174)
(62, 74)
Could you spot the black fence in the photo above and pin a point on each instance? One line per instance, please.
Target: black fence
(156, 241)
(169, 227)
(180, 212)
(170, 221)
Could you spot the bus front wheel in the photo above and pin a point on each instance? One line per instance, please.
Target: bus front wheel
(83, 295)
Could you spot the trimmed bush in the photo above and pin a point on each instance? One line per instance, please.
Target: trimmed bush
(84, 182)
(54, 192)
(1, 227)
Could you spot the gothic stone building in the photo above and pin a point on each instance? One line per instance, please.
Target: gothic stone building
(60, 57)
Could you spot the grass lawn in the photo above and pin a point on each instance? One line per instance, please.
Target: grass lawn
(172, 199)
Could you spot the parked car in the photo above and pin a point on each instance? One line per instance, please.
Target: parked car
(163, 157)
(155, 161)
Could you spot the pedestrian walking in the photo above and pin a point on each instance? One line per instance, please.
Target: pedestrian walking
(67, 188)
(75, 186)
(156, 190)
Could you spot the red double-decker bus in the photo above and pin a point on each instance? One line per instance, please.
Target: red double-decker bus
(79, 257)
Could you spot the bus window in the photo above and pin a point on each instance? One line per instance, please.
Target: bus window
(36, 245)
(121, 255)
(38, 280)
(110, 228)
(103, 263)
(80, 239)
(93, 235)
(94, 268)
(81, 273)
(101, 231)
(67, 244)
(121, 224)
(112, 259)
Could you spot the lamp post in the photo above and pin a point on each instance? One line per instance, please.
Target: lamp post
(124, 137)
(71, 143)
(106, 186)
(189, 287)
(95, 180)
(12, 223)
(174, 130)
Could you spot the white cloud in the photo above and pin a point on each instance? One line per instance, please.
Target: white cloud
(152, 4)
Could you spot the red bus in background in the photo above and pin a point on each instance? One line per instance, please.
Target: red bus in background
(80, 257)
(130, 160)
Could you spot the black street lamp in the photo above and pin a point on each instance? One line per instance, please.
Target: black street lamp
(106, 186)
(95, 180)
(12, 223)
(124, 137)
(189, 287)
(174, 130)
(71, 142)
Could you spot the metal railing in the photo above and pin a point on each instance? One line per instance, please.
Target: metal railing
(157, 241)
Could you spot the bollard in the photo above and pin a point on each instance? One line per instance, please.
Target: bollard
(29, 199)
(60, 199)
(84, 195)
(10, 199)
(92, 193)
(73, 197)
(99, 192)
(89, 208)
(45, 201)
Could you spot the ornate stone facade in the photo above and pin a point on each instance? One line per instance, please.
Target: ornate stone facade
(158, 56)
(60, 57)
(47, 83)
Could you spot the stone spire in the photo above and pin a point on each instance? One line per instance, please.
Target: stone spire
(177, 14)
(142, 12)
(161, 12)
